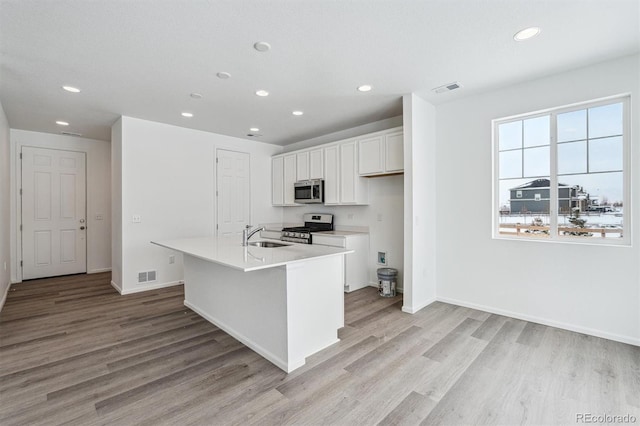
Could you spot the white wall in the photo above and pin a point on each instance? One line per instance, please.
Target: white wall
(419, 204)
(587, 288)
(98, 194)
(168, 178)
(5, 232)
(385, 202)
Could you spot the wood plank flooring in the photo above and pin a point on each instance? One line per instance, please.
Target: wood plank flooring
(73, 351)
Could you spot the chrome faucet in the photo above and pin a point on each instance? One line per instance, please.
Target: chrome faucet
(247, 233)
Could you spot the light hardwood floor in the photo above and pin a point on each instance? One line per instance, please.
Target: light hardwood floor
(73, 351)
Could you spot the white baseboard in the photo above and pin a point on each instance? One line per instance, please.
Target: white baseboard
(414, 309)
(551, 323)
(4, 296)
(116, 286)
(147, 287)
(245, 340)
(99, 270)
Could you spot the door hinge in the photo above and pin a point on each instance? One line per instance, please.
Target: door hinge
(216, 226)
(20, 227)
(21, 156)
(216, 160)
(216, 192)
(21, 263)
(20, 191)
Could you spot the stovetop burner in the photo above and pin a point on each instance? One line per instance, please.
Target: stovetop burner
(312, 223)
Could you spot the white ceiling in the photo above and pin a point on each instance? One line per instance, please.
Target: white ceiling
(142, 58)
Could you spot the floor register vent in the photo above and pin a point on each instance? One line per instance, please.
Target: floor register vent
(147, 276)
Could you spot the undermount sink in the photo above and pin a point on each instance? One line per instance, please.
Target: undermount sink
(267, 244)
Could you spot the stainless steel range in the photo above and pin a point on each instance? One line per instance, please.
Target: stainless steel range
(313, 222)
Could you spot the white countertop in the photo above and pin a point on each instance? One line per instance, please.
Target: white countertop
(229, 251)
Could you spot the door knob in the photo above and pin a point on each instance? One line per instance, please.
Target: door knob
(82, 227)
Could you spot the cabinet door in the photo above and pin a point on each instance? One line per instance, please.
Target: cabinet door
(371, 155)
(277, 181)
(348, 158)
(394, 147)
(289, 178)
(331, 176)
(316, 169)
(302, 166)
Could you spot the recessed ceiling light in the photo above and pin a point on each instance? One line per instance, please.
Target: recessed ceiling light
(364, 88)
(297, 113)
(62, 123)
(262, 46)
(196, 95)
(254, 129)
(526, 34)
(223, 75)
(71, 89)
(187, 114)
(262, 93)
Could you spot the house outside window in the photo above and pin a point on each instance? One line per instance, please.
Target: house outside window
(563, 174)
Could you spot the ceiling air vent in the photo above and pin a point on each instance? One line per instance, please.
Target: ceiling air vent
(71, 134)
(447, 87)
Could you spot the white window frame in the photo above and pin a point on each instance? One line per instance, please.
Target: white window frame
(553, 237)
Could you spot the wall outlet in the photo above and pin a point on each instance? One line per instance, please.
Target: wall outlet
(382, 258)
(172, 258)
(136, 218)
(99, 217)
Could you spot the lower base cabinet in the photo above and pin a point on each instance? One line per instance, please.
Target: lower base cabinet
(356, 274)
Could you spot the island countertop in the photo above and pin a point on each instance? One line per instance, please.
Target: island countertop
(228, 251)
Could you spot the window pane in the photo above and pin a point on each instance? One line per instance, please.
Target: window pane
(572, 126)
(524, 207)
(591, 206)
(510, 164)
(536, 161)
(510, 135)
(605, 121)
(605, 154)
(536, 131)
(572, 157)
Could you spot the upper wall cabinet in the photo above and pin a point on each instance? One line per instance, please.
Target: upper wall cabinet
(343, 165)
(309, 165)
(381, 153)
(283, 176)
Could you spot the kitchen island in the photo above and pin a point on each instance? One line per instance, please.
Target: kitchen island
(285, 303)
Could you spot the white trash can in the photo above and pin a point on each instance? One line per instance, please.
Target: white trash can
(387, 281)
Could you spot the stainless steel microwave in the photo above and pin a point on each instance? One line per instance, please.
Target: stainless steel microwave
(309, 191)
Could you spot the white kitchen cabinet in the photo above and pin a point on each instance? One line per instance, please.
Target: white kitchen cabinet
(290, 177)
(316, 169)
(277, 181)
(381, 153)
(331, 175)
(356, 274)
(353, 188)
(309, 164)
(302, 165)
(283, 176)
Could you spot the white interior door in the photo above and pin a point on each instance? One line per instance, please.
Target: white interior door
(53, 213)
(233, 195)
